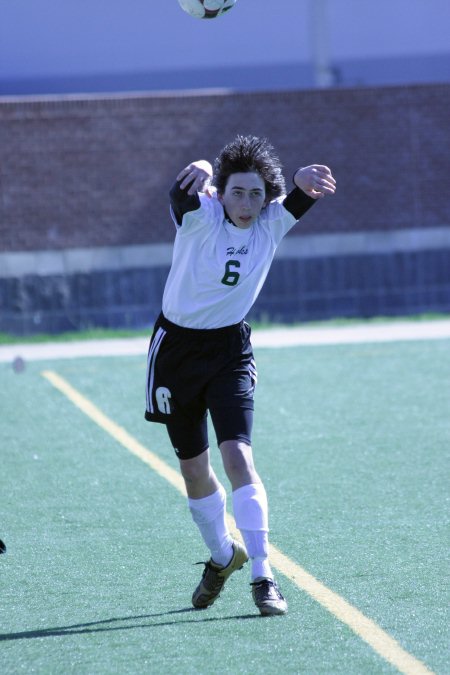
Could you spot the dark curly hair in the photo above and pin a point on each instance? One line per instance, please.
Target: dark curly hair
(250, 153)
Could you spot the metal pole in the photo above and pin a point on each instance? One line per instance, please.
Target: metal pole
(323, 74)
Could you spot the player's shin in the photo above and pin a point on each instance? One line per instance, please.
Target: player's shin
(209, 515)
(251, 515)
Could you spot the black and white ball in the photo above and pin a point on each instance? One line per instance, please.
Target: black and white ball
(206, 9)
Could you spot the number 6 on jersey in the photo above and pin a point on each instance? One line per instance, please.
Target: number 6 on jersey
(231, 278)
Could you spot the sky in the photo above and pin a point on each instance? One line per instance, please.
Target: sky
(64, 37)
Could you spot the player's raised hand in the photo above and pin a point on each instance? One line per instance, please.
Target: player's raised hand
(196, 175)
(316, 180)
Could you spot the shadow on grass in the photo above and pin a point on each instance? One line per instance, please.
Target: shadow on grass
(107, 624)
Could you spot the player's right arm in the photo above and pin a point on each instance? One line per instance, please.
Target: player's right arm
(189, 182)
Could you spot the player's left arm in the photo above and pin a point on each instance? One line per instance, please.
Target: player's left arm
(316, 180)
(311, 183)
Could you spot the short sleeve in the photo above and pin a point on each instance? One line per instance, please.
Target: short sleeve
(205, 217)
(277, 219)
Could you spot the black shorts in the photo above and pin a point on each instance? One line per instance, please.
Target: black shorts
(191, 371)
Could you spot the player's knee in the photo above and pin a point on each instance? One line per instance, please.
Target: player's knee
(196, 469)
(238, 460)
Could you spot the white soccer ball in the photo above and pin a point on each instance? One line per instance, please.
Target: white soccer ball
(206, 9)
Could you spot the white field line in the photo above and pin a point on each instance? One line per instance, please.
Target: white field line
(268, 338)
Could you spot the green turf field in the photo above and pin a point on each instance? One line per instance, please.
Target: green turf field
(353, 444)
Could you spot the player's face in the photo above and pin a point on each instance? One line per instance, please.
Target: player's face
(243, 198)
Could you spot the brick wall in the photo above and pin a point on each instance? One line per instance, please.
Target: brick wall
(95, 171)
(85, 231)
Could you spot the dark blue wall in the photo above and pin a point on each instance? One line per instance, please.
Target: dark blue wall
(309, 289)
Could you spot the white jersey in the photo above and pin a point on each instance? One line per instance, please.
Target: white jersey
(217, 268)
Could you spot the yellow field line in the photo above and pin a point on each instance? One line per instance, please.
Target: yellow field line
(380, 641)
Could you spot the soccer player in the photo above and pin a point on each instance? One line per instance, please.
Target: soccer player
(200, 356)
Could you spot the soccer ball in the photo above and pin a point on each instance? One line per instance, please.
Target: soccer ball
(206, 9)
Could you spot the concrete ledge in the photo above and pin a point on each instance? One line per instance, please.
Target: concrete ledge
(84, 260)
(87, 260)
(357, 243)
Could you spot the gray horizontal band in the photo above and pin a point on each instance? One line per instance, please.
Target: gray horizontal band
(86, 260)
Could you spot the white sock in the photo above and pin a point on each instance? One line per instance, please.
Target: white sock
(251, 515)
(209, 515)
